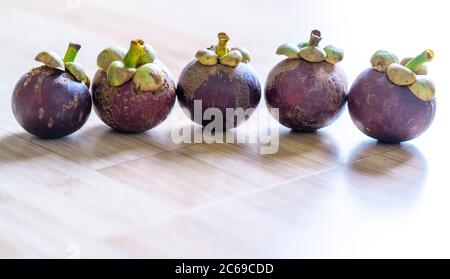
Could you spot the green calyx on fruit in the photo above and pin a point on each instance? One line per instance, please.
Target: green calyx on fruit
(423, 88)
(148, 77)
(381, 60)
(232, 58)
(244, 52)
(206, 57)
(135, 64)
(409, 72)
(334, 54)
(109, 55)
(148, 55)
(220, 53)
(288, 50)
(118, 74)
(400, 75)
(78, 71)
(311, 52)
(50, 59)
(53, 60)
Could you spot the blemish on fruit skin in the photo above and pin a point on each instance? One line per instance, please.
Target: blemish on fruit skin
(71, 104)
(28, 78)
(41, 113)
(42, 73)
(80, 117)
(50, 123)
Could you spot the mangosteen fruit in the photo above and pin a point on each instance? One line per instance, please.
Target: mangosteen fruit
(219, 78)
(132, 91)
(53, 100)
(393, 101)
(308, 88)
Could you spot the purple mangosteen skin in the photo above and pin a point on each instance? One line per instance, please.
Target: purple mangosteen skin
(388, 112)
(309, 96)
(50, 103)
(127, 109)
(218, 86)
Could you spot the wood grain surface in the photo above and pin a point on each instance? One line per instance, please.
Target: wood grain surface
(334, 193)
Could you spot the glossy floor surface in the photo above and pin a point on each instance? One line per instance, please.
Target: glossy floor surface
(334, 193)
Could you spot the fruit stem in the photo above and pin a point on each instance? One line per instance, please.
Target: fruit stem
(132, 57)
(415, 63)
(71, 52)
(221, 48)
(315, 38)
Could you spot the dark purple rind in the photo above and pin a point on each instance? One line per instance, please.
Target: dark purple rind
(388, 112)
(127, 109)
(220, 87)
(50, 103)
(309, 96)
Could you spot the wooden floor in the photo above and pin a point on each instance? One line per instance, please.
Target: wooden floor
(336, 193)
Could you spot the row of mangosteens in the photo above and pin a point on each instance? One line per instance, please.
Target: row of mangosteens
(393, 101)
